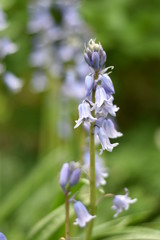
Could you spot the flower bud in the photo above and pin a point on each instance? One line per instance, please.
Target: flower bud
(89, 83)
(87, 59)
(64, 176)
(102, 56)
(95, 60)
(75, 176)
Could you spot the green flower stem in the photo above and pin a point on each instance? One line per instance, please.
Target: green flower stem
(92, 172)
(67, 237)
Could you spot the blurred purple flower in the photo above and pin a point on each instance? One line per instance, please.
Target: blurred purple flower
(14, 83)
(101, 171)
(7, 47)
(2, 236)
(121, 202)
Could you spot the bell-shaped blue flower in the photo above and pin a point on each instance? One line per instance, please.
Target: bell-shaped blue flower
(102, 98)
(109, 127)
(83, 215)
(2, 236)
(107, 108)
(84, 114)
(104, 140)
(107, 84)
(121, 202)
(89, 84)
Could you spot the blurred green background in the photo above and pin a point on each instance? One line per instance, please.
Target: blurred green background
(32, 150)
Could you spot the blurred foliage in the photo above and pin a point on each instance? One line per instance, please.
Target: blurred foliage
(32, 152)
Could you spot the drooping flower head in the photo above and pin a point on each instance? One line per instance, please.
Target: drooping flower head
(121, 202)
(84, 114)
(83, 215)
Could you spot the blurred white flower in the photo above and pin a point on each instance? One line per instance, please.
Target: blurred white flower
(7, 47)
(14, 83)
(39, 81)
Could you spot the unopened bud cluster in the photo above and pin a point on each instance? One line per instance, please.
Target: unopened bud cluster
(69, 176)
(94, 55)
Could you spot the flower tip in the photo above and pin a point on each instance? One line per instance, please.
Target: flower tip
(2, 236)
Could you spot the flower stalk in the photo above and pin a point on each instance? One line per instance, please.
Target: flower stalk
(92, 171)
(67, 234)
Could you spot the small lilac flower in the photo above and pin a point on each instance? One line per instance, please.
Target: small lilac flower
(121, 202)
(2, 236)
(84, 114)
(101, 98)
(107, 84)
(104, 140)
(64, 176)
(75, 176)
(82, 214)
(89, 84)
(106, 109)
(109, 127)
(101, 171)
